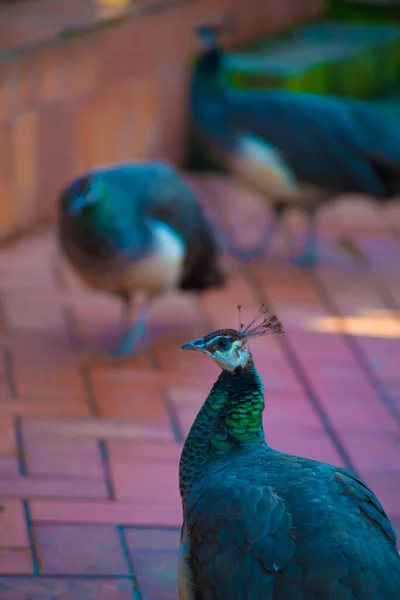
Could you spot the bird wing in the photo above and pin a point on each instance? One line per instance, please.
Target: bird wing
(240, 537)
(186, 589)
(367, 502)
(378, 134)
(318, 137)
(158, 190)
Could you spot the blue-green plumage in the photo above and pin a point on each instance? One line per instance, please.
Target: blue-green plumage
(326, 145)
(263, 525)
(137, 227)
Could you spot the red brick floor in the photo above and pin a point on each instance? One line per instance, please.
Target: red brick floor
(89, 449)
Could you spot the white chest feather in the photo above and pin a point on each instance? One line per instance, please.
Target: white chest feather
(162, 268)
(260, 164)
(159, 271)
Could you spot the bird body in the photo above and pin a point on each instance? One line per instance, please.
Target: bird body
(314, 146)
(264, 525)
(137, 227)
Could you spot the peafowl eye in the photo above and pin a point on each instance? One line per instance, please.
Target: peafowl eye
(222, 344)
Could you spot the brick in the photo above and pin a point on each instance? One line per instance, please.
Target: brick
(303, 441)
(352, 412)
(374, 450)
(13, 531)
(56, 121)
(6, 181)
(82, 66)
(51, 408)
(9, 466)
(28, 80)
(62, 457)
(159, 513)
(101, 429)
(145, 481)
(80, 550)
(25, 166)
(174, 113)
(42, 313)
(289, 410)
(146, 539)
(17, 588)
(15, 561)
(156, 572)
(149, 452)
(122, 400)
(7, 89)
(27, 487)
(7, 436)
(47, 377)
(52, 69)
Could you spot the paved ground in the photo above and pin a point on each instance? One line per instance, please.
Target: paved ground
(89, 449)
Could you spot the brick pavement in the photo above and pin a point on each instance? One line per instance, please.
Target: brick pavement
(89, 449)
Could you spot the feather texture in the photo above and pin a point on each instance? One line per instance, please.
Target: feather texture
(137, 227)
(264, 525)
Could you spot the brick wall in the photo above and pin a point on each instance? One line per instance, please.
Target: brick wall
(109, 95)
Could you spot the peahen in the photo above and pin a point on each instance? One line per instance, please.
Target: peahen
(137, 227)
(259, 524)
(299, 149)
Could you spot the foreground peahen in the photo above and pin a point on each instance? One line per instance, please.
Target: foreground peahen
(263, 525)
(137, 227)
(298, 149)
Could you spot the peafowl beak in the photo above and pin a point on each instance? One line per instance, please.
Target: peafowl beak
(195, 345)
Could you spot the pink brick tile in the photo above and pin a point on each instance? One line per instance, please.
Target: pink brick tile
(62, 457)
(144, 539)
(15, 561)
(372, 451)
(351, 412)
(97, 428)
(145, 482)
(13, 530)
(161, 513)
(18, 588)
(27, 487)
(80, 550)
(302, 441)
(156, 572)
(122, 400)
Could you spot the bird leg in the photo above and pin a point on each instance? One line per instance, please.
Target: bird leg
(135, 333)
(309, 256)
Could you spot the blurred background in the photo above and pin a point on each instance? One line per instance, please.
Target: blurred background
(89, 448)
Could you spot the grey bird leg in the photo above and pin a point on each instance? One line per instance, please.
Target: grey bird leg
(135, 333)
(309, 256)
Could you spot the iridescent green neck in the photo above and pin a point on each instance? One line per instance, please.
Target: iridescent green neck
(230, 420)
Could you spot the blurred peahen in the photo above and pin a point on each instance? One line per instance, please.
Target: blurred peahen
(299, 149)
(263, 525)
(137, 228)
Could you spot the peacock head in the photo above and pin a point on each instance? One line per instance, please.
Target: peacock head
(229, 348)
(85, 193)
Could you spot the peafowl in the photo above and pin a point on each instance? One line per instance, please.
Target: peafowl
(137, 227)
(259, 524)
(297, 148)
